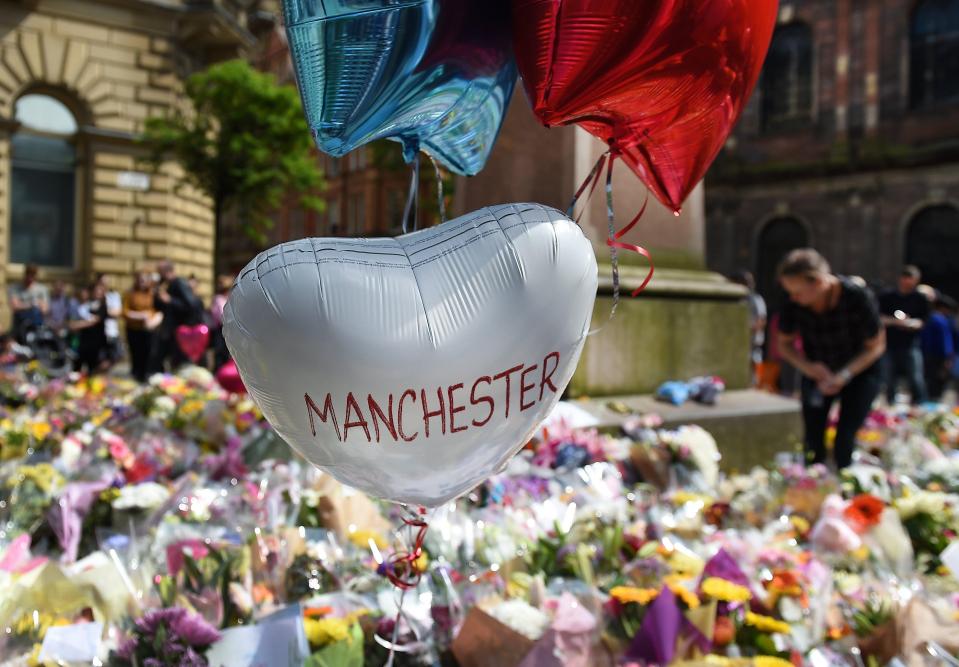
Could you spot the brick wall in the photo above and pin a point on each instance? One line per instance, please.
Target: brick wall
(113, 75)
(858, 170)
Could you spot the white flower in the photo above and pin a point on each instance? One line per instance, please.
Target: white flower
(703, 452)
(141, 496)
(197, 375)
(922, 502)
(240, 597)
(521, 617)
(871, 479)
(163, 407)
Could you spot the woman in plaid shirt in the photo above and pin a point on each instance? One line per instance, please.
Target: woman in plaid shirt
(843, 339)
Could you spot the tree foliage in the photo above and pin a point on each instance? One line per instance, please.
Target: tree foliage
(244, 141)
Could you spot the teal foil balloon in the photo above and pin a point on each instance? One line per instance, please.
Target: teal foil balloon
(435, 75)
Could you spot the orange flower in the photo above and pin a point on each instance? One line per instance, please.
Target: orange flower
(316, 612)
(784, 582)
(724, 631)
(864, 512)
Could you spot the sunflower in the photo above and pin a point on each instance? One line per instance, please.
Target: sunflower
(725, 591)
(641, 596)
(767, 623)
(770, 661)
(685, 595)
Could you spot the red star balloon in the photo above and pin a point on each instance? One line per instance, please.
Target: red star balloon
(661, 81)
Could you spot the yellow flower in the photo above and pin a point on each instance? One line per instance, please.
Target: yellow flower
(323, 631)
(726, 591)
(109, 495)
(642, 596)
(685, 595)
(800, 524)
(770, 661)
(102, 417)
(361, 538)
(683, 497)
(40, 430)
(684, 563)
(861, 554)
(767, 623)
(43, 475)
(28, 625)
(421, 563)
(190, 408)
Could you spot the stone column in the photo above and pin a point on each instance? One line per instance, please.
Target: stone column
(687, 322)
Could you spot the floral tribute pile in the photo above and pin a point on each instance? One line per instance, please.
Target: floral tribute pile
(168, 525)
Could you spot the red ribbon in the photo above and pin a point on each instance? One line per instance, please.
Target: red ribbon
(401, 570)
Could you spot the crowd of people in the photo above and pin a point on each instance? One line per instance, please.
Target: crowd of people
(922, 339)
(85, 323)
(845, 345)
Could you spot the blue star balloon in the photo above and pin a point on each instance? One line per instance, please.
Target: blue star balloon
(435, 75)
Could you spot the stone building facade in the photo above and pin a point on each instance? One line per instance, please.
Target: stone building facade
(77, 81)
(849, 144)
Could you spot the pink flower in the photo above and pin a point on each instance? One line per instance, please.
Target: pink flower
(119, 450)
(833, 534)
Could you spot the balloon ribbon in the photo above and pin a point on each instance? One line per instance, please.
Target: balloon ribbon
(402, 571)
(613, 238)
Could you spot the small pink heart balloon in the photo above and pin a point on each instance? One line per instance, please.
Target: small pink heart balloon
(193, 340)
(229, 378)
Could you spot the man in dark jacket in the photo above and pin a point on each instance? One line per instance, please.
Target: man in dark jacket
(179, 305)
(904, 312)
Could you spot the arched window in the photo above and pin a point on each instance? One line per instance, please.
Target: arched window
(932, 244)
(777, 238)
(934, 53)
(787, 78)
(43, 183)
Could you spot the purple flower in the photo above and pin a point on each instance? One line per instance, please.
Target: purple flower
(228, 464)
(149, 622)
(182, 627)
(126, 649)
(193, 630)
(191, 658)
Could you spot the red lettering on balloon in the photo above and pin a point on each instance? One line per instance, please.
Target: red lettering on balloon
(376, 411)
(482, 399)
(454, 408)
(523, 388)
(327, 413)
(506, 374)
(427, 415)
(352, 405)
(546, 377)
(399, 417)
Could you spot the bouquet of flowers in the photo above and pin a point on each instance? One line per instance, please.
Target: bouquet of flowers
(931, 519)
(171, 636)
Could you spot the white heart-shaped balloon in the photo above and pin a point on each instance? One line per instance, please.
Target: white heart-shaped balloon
(412, 368)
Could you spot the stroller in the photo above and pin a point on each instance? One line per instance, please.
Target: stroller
(42, 344)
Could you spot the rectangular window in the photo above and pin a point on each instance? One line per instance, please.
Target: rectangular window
(395, 205)
(297, 223)
(42, 188)
(357, 216)
(333, 166)
(333, 217)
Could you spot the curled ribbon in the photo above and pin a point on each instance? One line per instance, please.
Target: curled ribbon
(401, 568)
(613, 241)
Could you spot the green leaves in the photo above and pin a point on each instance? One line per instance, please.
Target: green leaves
(244, 142)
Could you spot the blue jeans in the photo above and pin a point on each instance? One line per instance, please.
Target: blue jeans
(907, 363)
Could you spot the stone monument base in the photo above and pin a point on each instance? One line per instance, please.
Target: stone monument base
(686, 323)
